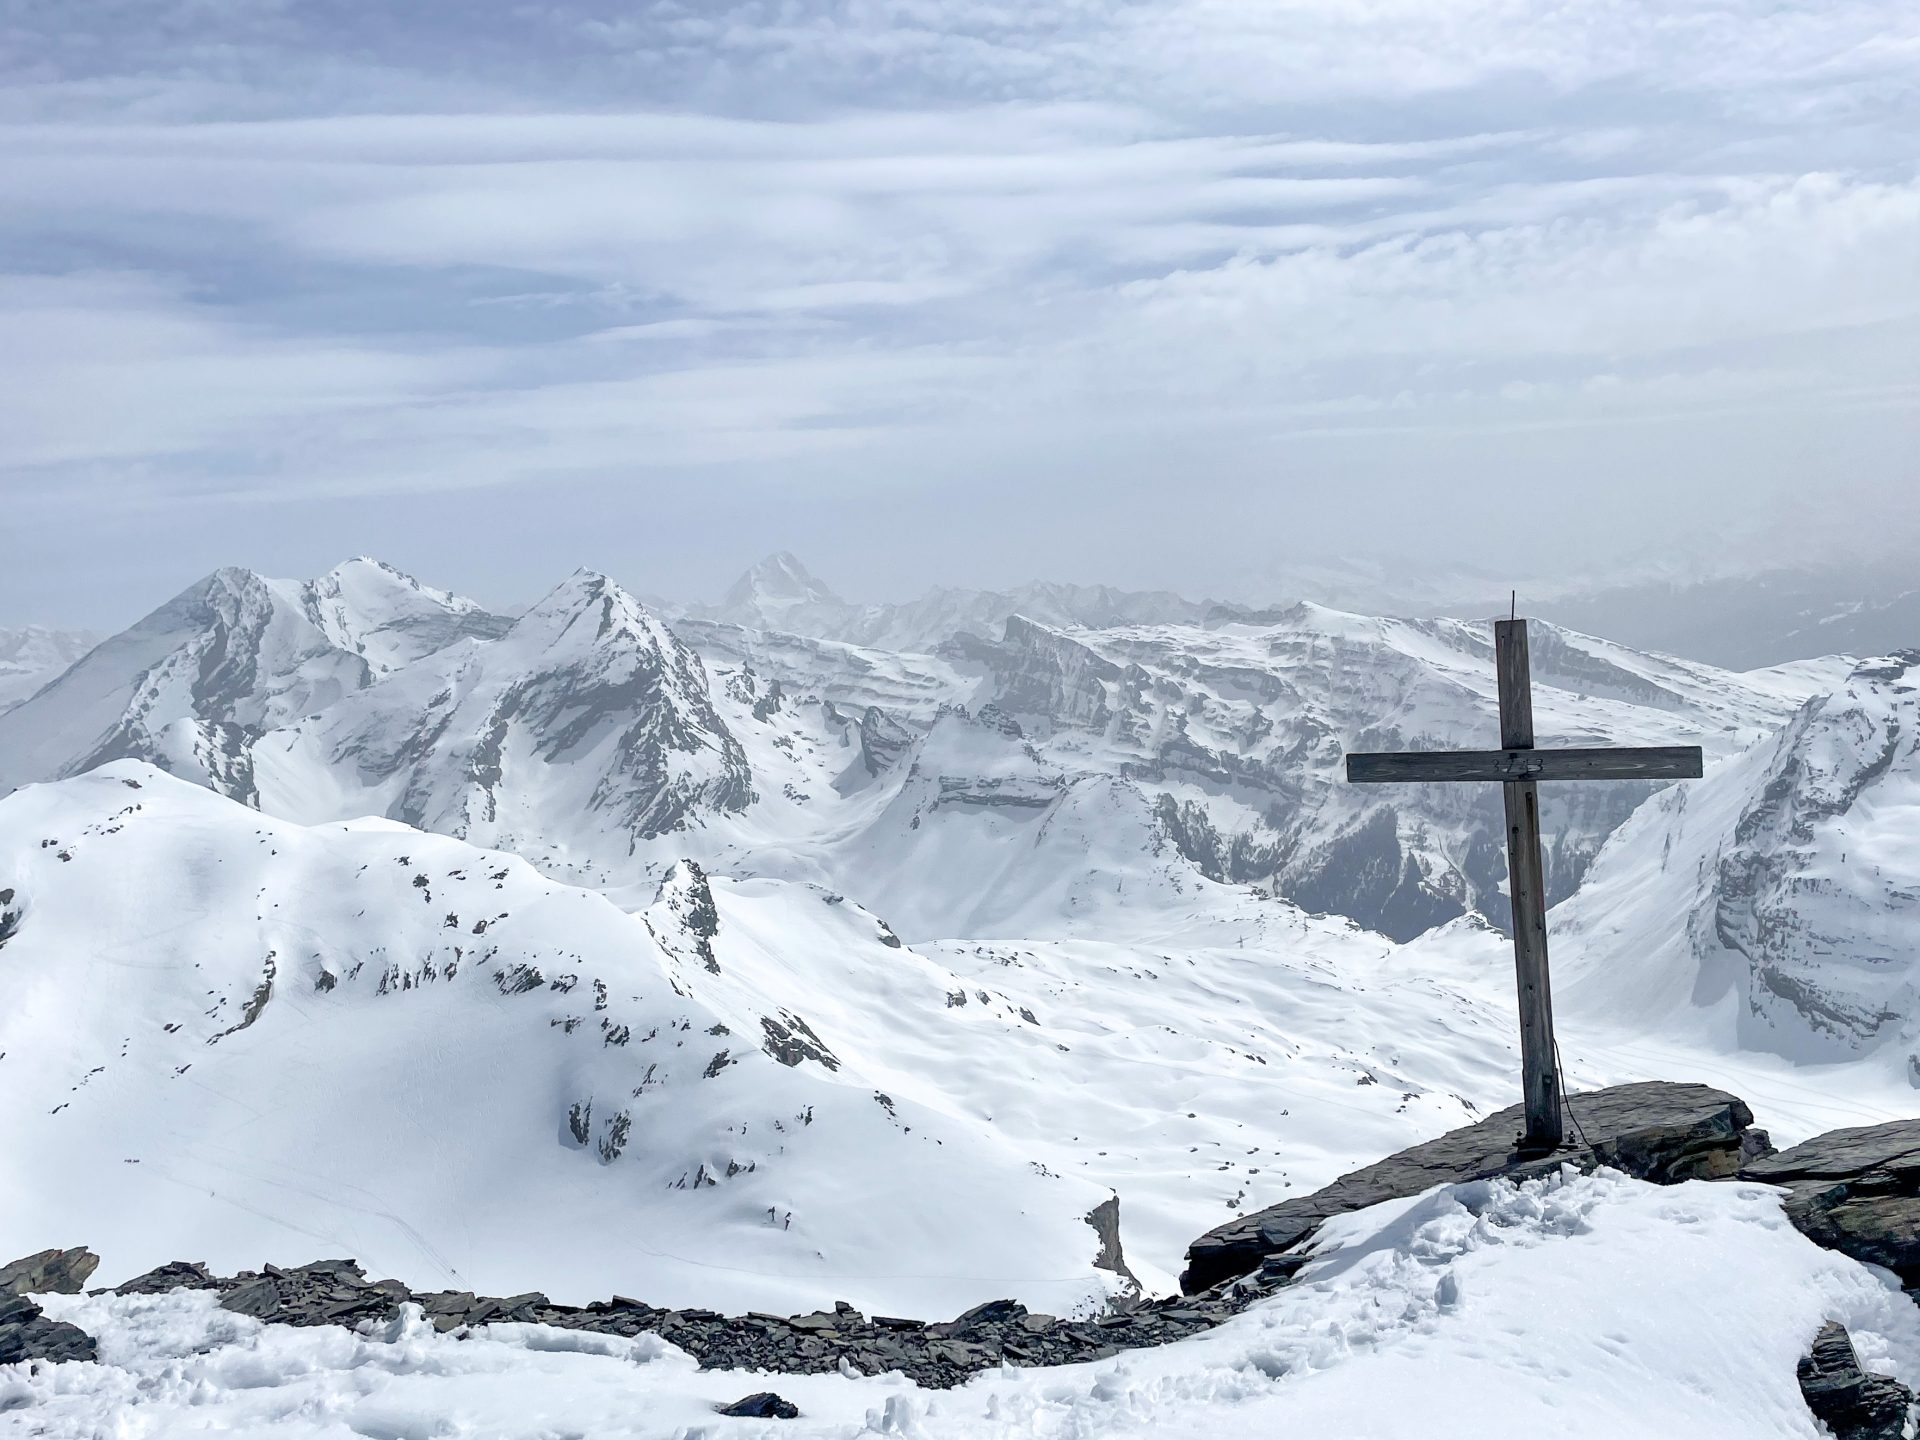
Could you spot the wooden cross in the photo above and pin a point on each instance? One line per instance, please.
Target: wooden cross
(1519, 767)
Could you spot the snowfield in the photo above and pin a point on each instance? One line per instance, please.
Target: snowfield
(1577, 1306)
(608, 949)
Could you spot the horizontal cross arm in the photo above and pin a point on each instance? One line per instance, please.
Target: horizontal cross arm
(1651, 762)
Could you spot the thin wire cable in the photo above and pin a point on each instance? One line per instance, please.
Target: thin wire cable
(1565, 1098)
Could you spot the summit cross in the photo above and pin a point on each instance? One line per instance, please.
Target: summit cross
(1519, 768)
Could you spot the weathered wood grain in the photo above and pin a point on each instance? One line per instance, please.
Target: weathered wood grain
(1649, 762)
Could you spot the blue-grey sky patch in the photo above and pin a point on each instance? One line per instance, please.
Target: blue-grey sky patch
(1165, 293)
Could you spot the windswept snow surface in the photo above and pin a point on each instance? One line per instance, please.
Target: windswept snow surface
(234, 1037)
(246, 1039)
(734, 967)
(1585, 1307)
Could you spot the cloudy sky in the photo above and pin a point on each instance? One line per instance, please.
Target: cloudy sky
(1161, 292)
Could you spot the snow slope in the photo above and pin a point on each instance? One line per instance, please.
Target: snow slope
(230, 1036)
(1583, 1307)
(1225, 1050)
(193, 685)
(1774, 905)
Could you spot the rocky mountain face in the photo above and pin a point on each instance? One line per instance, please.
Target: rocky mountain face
(1236, 732)
(586, 716)
(31, 655)
(193, 685)
(1783, 890)
(588, 731)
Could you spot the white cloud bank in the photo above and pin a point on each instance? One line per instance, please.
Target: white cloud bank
(866, 250)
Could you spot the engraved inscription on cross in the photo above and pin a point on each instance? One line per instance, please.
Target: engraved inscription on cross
(1519, 767)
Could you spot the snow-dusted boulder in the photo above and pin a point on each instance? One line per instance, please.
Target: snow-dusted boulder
(1654, 1130)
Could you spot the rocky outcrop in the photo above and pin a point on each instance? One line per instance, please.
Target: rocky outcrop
(27, 1334)
(883, 740)
(941, 1354)
(50, 1272)
(1851, 1402)
(1856, 1191)
(1825, 941)
(1656, 1130)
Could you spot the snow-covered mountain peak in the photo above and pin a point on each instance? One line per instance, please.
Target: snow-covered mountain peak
(193, 684)
(776, 583)
(587, 726)
(388, 617)
(586, 610)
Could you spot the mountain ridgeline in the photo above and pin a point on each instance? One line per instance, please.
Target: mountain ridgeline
(788, 733)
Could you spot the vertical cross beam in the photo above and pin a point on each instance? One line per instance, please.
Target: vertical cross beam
(1526, 887)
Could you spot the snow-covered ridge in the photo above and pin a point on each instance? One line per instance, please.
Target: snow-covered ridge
(361, 1032)
(779, 594)
(1779, 898)
(193, 685)
(1237, 732)
(586, 718)
(602, 740)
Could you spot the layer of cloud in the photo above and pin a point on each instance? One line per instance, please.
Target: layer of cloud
(860, 251)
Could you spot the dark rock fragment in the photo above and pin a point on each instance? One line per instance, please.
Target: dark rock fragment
(323, 1292)
(1851, 1402)
(764, 1405)
(174, 1275)
(1105, 1220)
(49, 1272)
(27, 1334)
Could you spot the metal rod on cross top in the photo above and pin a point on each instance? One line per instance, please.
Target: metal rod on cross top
(1519, 768)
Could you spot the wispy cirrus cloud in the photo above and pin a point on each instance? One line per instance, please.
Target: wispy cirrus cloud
(825, 259)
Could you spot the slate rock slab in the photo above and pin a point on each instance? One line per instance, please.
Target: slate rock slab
(1655, 1130)
(174, 1275)
(27, 1334)
(49, 1272)
(1856, 1191)
(1851, 1402)
(765, 1405)
(326, 1292)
